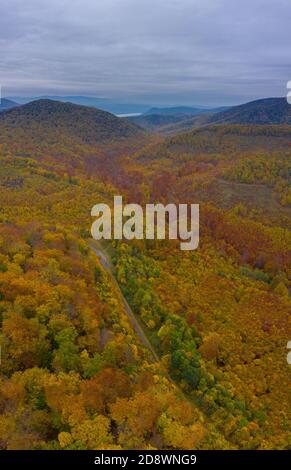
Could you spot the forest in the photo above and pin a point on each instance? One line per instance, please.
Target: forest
(74, 373)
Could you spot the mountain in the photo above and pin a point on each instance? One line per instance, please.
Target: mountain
(62, 122)
(95, 102)
(188, 110)
(261, 112)
(226, 165)
(185, 124)
(185, 110)
(158, 119)
(268, 111)
(167, 124)
(7, 104)
(120, 108)
(265, 111)
(74, 372)
(70, 138)
(155, 122)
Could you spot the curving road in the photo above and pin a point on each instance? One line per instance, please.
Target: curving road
(131, 316)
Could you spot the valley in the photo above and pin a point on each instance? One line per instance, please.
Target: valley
(77, 367)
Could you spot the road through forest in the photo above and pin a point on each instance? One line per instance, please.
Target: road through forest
(103, 258)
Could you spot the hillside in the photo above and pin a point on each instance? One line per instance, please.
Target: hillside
(224, 165)
(7, 104)
(73, 368)
(265, 111)
(183, 124)
(175, 119)
(188, 110)
(270, 111)
(104, 104)
(74, 373)
(219, 315)
(156, 122)
(70, 137)
(83, 124)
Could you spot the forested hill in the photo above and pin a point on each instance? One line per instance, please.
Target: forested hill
(7, 104)
(225, 165)
(48, 118)
(269, 111)
(74, 374)
(265, 111)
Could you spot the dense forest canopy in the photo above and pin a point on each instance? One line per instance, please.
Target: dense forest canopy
(74, 373)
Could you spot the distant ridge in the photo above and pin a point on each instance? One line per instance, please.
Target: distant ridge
(7, 104)
(153, 122)
(104, 104)
(155, 119)
(188, 110)
(268, 111)
(58, 120)
(264, 111)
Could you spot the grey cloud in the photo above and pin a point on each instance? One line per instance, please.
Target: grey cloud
(186, 51)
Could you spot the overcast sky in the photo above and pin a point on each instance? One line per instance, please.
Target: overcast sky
(154, 51)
